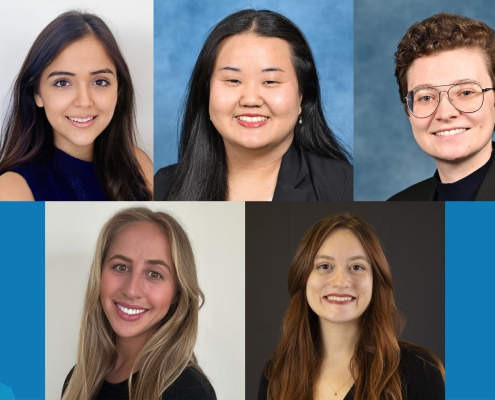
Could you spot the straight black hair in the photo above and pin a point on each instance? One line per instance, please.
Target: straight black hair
(202, 170)
(27, 136)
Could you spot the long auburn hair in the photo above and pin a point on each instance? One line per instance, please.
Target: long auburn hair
(202, 170)
(169, 350)
(300, 351)
(27, 136)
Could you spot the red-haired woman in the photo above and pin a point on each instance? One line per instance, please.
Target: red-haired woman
(342, 328)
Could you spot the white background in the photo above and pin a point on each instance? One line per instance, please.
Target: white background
(131, 22)
(216, 232)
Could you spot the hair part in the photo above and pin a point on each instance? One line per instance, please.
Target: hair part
(442, 32)
(27, 136)
(300, 350)
(169, 350)
(202, 170)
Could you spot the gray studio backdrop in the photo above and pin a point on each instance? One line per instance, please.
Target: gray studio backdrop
(387, 158)
(412, 236)
(181, 28)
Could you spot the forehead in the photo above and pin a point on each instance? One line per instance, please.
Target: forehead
(342, 242)
(246, 51)
(87, 53)
(448, 67)
(141, 238)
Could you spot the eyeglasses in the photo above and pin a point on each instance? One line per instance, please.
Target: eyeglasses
(466, 97)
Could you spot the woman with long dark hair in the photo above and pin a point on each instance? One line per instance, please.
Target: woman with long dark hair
(140, 318)
(341, 336)
(253, 127)
(70, 131)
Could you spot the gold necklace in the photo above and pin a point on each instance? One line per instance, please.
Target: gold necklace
(335, 392)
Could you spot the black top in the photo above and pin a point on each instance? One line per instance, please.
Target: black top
(302, 177)
(420, 379)
(479, 185)
(61, 177)
(190, 385)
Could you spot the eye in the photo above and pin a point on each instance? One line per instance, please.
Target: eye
(155, 275)
(61, 83)
(425, 99)
(357, 268)
(323, 267)
(270, 82)
(101, 82)
(121, 268)
(466, 93)
(236, 81)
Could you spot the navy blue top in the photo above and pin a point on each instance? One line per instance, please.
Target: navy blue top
(61, 177)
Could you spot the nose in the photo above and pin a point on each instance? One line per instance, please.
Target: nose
(340, 279)
(83, 97)
(445, 109)
(133, 286)
(251, 96)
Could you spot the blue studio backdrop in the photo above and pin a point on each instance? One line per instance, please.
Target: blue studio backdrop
(387, 158)
(182, 27)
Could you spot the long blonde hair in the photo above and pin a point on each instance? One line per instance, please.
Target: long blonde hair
(171, 348)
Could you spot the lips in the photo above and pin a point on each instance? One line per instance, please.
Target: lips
(82, 122)
(339, 298)
(129, 312)
(252, 120)
(450, 132)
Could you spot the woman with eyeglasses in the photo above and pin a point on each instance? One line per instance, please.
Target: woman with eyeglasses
(445, 68)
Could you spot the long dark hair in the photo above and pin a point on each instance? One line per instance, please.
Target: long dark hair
(377, 354)
(27, 134)
(202, 170)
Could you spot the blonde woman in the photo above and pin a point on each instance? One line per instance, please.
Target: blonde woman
(140, 316)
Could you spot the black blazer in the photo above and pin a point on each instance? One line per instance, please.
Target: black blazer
(302, 177)
(427, 189)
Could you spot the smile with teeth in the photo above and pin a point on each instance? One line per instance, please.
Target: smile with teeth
(451, 132)
(131, 311)
(81, 120)
(338, 298)
(251, 119)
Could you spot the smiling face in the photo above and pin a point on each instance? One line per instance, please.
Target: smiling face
(449, 135)
(78, 91)
(254, 93)
(340, 285)
(138, 281)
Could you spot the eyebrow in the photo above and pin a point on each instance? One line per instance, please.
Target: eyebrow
(100, 71)
(235, 69)
(330, 258)
(151, 261)
(425, 85)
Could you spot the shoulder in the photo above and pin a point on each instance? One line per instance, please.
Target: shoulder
(13, 187)
(190, 385)
(421, 374)
(422, 191)
(333, 174)
(263, 388)
(67, 380)
(163, 180)
(146, 166)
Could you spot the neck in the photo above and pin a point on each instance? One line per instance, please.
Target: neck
(84, 153)
(339, 340)
(127, 352)
(252, 173)
(453, 171)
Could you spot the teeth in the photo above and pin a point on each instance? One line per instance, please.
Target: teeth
(451, 132)
(129, 311)
(335, 298)
(251, 119)
(81, 119)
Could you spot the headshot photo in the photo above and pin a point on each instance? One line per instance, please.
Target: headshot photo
(333, 309)
(139, 301)
(424, 100)
(76, 101)
(255, 103)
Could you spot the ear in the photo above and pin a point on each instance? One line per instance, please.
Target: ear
(38, 100)
(300, 102)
